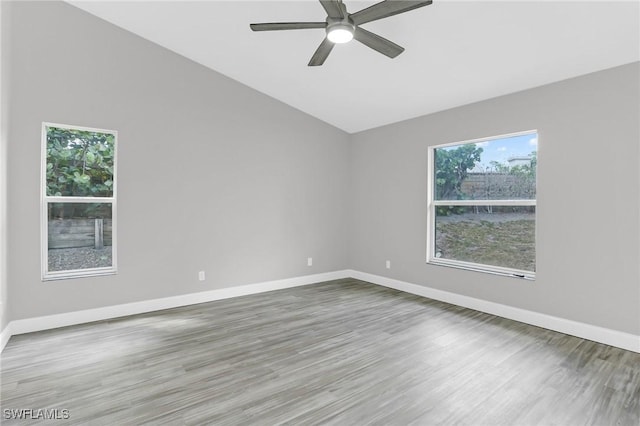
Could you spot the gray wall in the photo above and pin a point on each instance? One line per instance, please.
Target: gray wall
(4, 121)
(253, 186)
(587, 232)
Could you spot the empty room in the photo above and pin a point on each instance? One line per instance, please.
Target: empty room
(320, 212)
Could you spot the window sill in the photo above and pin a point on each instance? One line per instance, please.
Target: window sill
(85, 273)
(495, 270)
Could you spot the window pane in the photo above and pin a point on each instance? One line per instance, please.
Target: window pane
(498, 169)
(79, 236)
(79, 163)
(490, 235)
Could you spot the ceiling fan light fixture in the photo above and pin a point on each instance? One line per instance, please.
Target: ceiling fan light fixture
(340, 32)
(342, 26)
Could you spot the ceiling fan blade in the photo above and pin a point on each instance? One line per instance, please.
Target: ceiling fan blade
(321, 53)
(378, 43)
(333, 8)
(385, 9)
(275, 26)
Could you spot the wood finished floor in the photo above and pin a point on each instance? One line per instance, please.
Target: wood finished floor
(343, 352)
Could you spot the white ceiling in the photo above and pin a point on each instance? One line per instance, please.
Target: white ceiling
(457, 52)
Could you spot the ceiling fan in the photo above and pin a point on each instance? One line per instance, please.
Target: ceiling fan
(342, 26)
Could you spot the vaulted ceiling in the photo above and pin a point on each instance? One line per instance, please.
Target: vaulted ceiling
(457, 52)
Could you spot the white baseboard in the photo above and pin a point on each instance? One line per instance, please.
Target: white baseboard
(80, 317)
(5, 335)
(591, 332)
(607, 336)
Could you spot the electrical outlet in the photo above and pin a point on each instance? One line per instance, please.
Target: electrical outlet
(201, 275)
(388, 264)
(309, 261)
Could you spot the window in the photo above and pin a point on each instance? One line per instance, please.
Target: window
(481, 204)
(78, 201)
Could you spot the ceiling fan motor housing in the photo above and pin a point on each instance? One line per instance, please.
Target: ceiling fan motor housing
(340, 25)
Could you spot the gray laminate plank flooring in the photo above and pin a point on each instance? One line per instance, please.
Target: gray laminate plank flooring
(343, 352)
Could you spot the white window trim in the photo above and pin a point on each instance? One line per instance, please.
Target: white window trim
(431, 214)
(45, 200)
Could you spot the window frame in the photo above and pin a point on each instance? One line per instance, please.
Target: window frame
(432, 204)
(45, 200)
